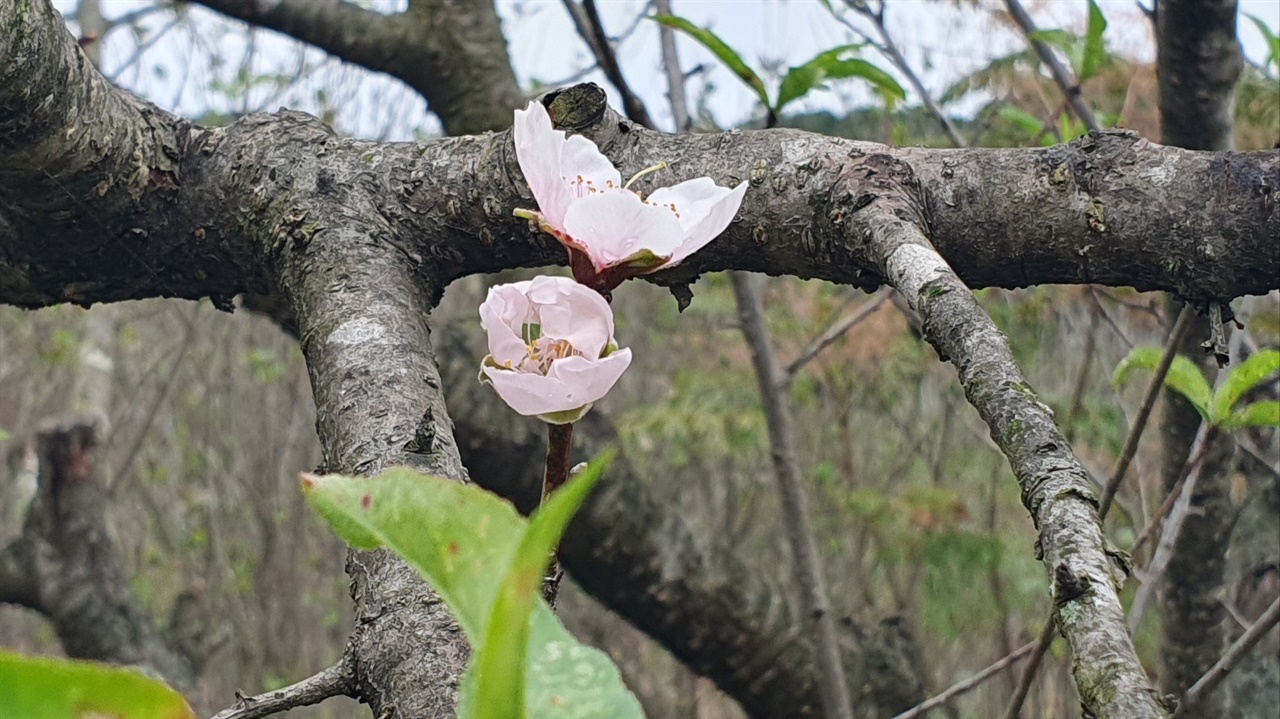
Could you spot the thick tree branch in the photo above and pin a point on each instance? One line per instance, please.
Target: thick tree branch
(362, 320)
(450, 51)
(1198, 61)
(111, 199)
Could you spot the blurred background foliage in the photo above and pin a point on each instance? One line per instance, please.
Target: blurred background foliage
(210, 419)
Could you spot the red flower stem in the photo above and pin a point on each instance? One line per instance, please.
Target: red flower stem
(559, 446)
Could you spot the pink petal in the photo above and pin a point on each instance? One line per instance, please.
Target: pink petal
(538, 147)
(573, 383)
(502, 315)
(704, 208)
(570, 311)
(614, 226)
(558, 170)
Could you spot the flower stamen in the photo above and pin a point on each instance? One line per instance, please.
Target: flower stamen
(642, 173)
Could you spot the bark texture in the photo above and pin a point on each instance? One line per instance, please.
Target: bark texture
(113, 199)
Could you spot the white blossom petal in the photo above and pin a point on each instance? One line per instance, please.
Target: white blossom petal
(620, 225)
(704, 210)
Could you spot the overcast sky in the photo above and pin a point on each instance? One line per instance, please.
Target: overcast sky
(176, 65)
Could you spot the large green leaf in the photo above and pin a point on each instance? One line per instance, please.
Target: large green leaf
(1095, 50)
(1184, 376)
(500, 660)
(1259, 368)
(44, 688)
(459, 537)
(721, 50)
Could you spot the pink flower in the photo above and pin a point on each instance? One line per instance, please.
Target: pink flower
(551, 347)
(611, 232)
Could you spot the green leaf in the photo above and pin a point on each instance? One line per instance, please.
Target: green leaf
(881, 80)
(1252, 372)
(1069, 43)
(45, 688)
(829, 64)
(1095, 50)
(3, 434)
(459, 537)
(1273, 41)
(500, 660)
(1184, 376)
(720, 49)
(1022, 119)
(486, 563)
(1259, 414)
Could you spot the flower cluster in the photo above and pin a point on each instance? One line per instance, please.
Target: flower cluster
(551, 347)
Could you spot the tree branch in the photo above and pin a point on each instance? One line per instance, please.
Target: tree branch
(808, 571)
(1055, 488)
(337, 680)
(1061, 75)
(65, 566)
(451, 51)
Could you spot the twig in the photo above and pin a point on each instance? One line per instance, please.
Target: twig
(1180, 328)
(959, 688)
(834, 691)
(1238, 649)
(890, 50)
(1179, 503)
(559, 451)
(835, 332)
(671, 66)
(587, 21)
(338, 679)
(1070, 89)
(1077, 392)
(1047, 634)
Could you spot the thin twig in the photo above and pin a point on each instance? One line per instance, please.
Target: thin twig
(832, 686)
(587, 21)
(1179, 503)
(1077, 392)
(1047, 634)
(559, 452)
(338, 679)
(671, 66)
(890, 50)
(835, 332)
(959, 688)
(1238, 649)
(1180, 328)
(1070, 88)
